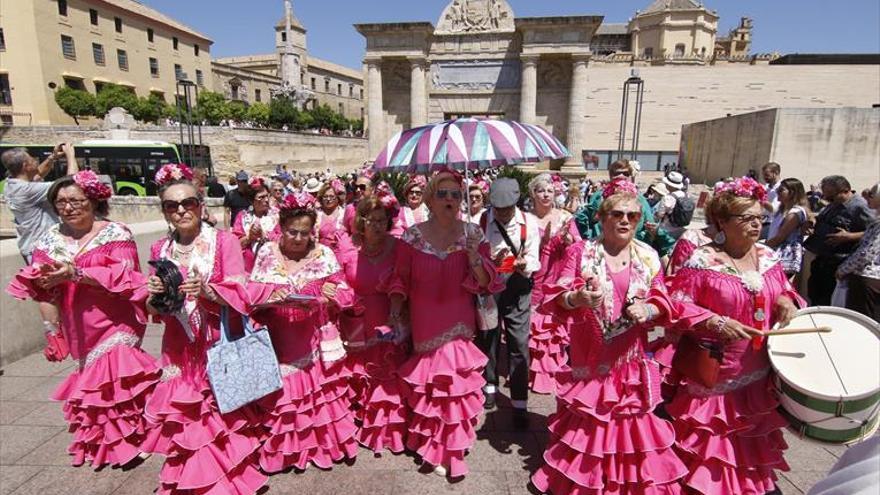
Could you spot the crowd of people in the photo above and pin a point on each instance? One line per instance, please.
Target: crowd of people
(389, 319)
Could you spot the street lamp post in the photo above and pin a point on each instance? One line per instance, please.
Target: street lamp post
(187, 91)
(634, 87)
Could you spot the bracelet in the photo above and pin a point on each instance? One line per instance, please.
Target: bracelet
(77, 274)
(653, 312)
(719, 325)
(566, 300)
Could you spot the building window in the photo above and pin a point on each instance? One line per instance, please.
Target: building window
(74, 83)
(5, 120)
(679, 50)
(98, 53)
(93, 17)
(154, 67)
(326, 85)
(99, 86)
(62, 8)
(283, 37)
(258, 95)
(234, 87)
(649, 52)
(158, 95)
(200, 77)
(149, 35)
(351, 90)
(67, 47)
(175, 42)
(362, 94)
(5, 90)
(122, 58)
(341, 109)
(2, 41)
(118, 22)
(314, 84)
(339, 89)
(196, 50)
(178, 72)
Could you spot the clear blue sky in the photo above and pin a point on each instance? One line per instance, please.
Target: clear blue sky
(245, 27)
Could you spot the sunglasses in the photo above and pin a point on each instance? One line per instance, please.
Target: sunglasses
(451, 193)
(622, 173)
(188, 204)
(76, 204)
(361, 187)
(750, 218)
(295, 234)
(415, 192)
(632, 216)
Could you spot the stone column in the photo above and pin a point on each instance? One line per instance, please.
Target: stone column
(577, 108)
(375, 117)
(418, 104)
(529, 89)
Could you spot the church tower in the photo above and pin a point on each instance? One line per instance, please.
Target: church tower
(291, 52)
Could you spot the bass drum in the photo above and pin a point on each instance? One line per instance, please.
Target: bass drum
(829, 383)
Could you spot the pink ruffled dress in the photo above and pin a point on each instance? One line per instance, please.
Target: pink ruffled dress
(103, 322)
(242, 225)
(332, 233)
(309, 419)
(206, 452)
(408, 217)
(548, 339)
(730, 436)
(443, 379)
(380, 410)
(604, 437)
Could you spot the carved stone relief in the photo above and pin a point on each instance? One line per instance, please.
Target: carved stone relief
(476, 16)
(475, 74)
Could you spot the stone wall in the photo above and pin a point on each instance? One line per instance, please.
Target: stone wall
(256, 150)
(809, 143)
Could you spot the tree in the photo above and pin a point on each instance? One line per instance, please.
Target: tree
(237, 110)
(323, 116)
(75, 102)
(357, 125)
(283, 112)
(305, 120)
(112, 95)
(212, 107)
(151, 109)
(258, 113)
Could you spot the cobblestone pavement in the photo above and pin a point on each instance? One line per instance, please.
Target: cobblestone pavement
(34, 460)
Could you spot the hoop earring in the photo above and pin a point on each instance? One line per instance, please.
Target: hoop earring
(720, 238)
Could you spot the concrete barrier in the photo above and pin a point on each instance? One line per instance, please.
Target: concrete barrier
(21, 330)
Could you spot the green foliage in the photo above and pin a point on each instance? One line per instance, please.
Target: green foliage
(324, 117)
(521, 176)
(236, 110)
(357, 125)
(283, 112)
(258, 113)
(305, 120)
(212, 107)
(112, 95)
(75, 102)
(151, 108)
(396, 179)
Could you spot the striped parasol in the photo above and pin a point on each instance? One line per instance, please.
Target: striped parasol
(469, 143)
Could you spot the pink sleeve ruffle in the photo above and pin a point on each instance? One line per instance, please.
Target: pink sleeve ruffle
(569, 278)
(23, 286)
(685, 313)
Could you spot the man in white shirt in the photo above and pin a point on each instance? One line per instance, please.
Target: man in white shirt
(771, 173)
(514, 241)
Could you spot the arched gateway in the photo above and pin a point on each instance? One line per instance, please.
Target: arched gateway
(480, 60)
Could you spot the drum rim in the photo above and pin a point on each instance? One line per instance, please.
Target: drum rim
(870, 324)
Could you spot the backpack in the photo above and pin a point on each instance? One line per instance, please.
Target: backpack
(683, 212)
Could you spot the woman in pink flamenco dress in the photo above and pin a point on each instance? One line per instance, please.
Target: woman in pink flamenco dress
(89, 268)
(376, 345)
(415, 211)
(441, 265)
(549, 334)
(604, 436)
(309, 419)
(363, 188)
(729, 293)
(331, 217)
(258, 224)
(206, 452)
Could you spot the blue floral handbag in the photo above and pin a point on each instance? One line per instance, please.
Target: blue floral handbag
(243, 370)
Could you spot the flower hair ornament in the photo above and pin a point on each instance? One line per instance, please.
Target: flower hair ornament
(416, 181)
(386, 198)
(257, 182)
(619, 185)
(482, 185)
(298, 201)
(451, 173)
(172, 172)
(337, 186)
(92, 186)
(743, 187)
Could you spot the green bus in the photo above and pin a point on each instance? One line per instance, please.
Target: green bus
(130, 164)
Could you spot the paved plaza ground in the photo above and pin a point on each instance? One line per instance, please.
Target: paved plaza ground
(33, 458)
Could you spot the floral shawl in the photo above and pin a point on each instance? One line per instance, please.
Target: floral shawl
(270, 267)
(704, 259)
(413, 236)
(59, 248)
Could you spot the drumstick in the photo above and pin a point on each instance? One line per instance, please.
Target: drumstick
(798, 331)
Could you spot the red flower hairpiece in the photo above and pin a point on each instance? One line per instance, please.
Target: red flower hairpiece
(743, 187)
(298, 201)
(92, 186)
(387, 198)
(257, 182)
(452, 173)
(619, 185)
(416, 181)
(172, 172)
(482, 184)
(337, 186)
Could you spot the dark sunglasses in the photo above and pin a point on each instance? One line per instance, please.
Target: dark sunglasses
(443, 193)
(361, 187)
(632, 216)
(749, 218)
(623, 173)
(188, 204)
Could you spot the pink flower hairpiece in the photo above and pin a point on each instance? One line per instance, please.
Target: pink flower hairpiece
(298, 201)
(743, 187)
(416, 181)
(92, 186)
(257, 182)
(367, 171)
(337, 186)
(619, 185)
(172, 172)
(452, 173)
(482, 184)
(387, 198)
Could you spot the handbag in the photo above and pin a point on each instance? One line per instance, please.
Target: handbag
(243, 370)
(487, 312)
(699, 362)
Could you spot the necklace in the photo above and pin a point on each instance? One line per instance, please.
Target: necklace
(736, 265)
(181, 250)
